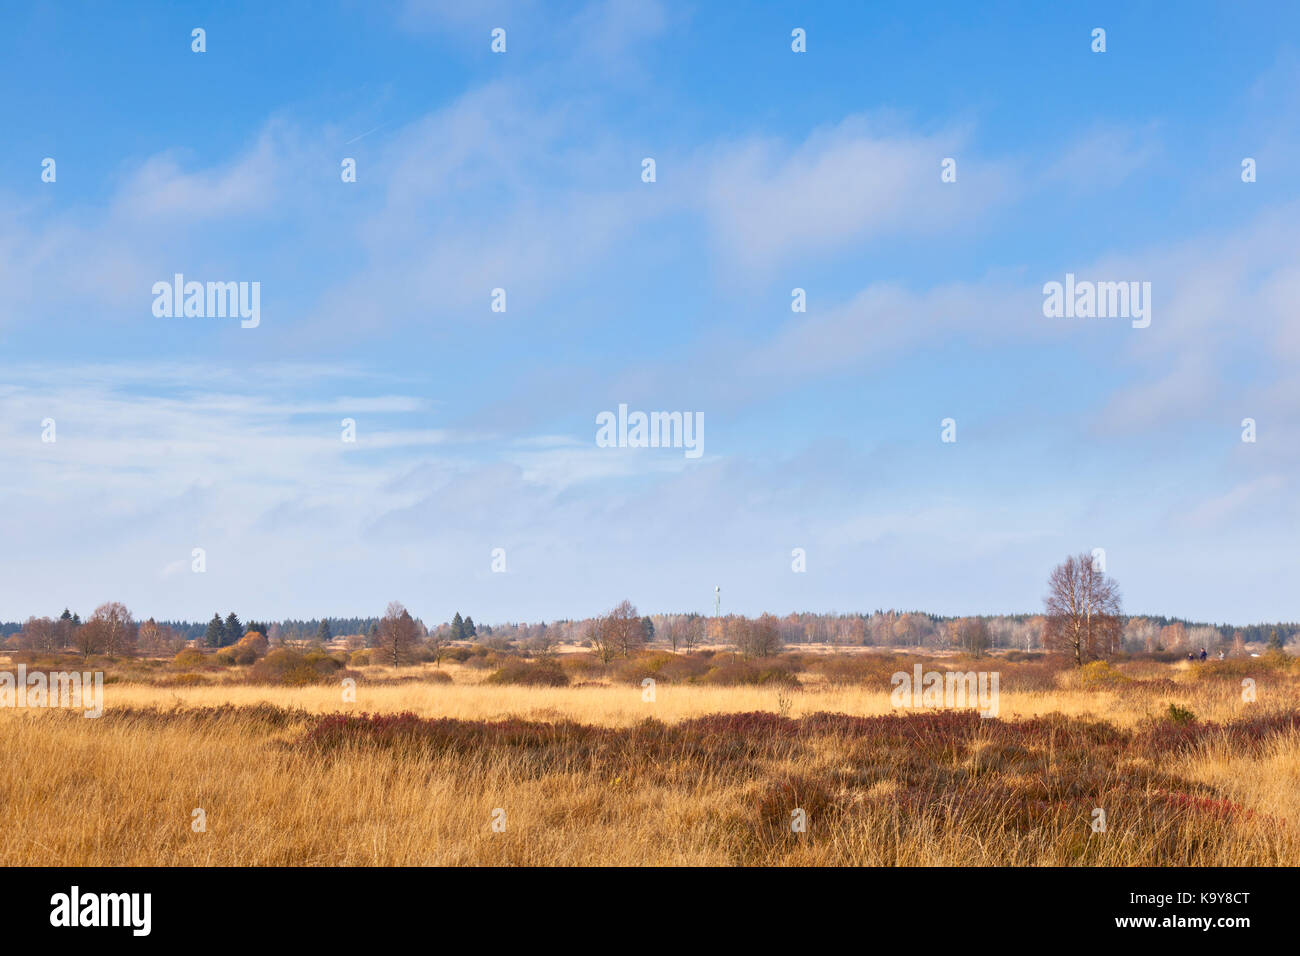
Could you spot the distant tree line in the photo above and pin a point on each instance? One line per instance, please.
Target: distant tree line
(1082, 618)
(292, 629)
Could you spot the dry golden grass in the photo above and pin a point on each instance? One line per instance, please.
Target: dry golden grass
(468, 698)
(120, 790)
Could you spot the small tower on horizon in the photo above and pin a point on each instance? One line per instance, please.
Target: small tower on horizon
(717, 600)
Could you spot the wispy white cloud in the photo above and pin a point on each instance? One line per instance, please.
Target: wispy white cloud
(1224, 507)
(860, 179)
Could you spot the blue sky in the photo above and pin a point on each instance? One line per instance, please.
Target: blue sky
(775, 170)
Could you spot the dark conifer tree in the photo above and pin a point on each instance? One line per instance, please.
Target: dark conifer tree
(215, 633)
(234, 628)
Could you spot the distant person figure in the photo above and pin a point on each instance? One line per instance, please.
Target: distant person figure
(1220, 655)
(1191, 656)
(1203, 655)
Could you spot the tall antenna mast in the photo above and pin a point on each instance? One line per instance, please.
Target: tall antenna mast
(717, 600)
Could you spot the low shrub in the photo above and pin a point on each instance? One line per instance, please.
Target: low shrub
(812, 799)
(190, 657)
(249, 648)
(1235, 668)
(1098, 675)
(681, 669)
(292, 668)
(749, 672)
(584, 666)
(1164, 657)
(875, 670)
(41, 660)
(489, 660)
(1032, 674)
(660, 666)
(541, 673)
(186, 680)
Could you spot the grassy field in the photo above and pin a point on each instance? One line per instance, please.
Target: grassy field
(418, 770)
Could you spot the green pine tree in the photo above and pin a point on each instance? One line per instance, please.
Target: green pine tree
(457, 628)
(215, 632)
(323, 634)
(234, 628)
(470, 629)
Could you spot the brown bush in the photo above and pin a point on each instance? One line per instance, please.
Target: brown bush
(659, 666)
(292, 668)
(777, 800)
(541, 673)
(1032, 675)
(862, 670)
(488, 660)
(1235, 668)
(185, 680)
(45, 661)
(190, 657)
(740, 672)
(249, 648)
(583, 665)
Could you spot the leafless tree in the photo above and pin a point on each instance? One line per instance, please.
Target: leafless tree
(626, 633)
(543, 641)
(40, 634)
(110, 630)
(436, 642)
(692, 632)
(1141, 634)
(598, 635)
(88, 639)
(669, 628)
(398, 635)
(155, 638)
(971, 634)
(759, 638)
(1083, 610)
